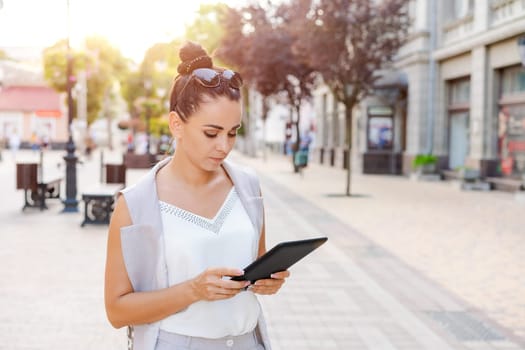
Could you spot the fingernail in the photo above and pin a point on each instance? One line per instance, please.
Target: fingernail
(272, 275)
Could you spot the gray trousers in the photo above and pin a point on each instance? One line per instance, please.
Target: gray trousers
(172, 341)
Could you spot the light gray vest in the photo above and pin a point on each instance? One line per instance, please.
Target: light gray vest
(143, 245)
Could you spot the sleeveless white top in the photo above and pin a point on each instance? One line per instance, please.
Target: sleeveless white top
(195, 243)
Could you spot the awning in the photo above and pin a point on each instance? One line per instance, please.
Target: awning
(391, 79)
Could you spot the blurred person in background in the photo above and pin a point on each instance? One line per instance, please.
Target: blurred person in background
(193, 222)
(14, 143)
(35, 145)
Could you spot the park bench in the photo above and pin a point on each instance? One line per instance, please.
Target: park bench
(99, 199)
(38, 185)
(469, 179)
(138, 161)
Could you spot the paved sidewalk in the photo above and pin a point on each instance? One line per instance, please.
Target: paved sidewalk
(452, 259)
(365, 289)
(52, 272)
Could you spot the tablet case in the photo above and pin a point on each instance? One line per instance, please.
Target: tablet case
(279, 258)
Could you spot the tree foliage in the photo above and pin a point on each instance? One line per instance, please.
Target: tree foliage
(208, 28)
(103, 64)
(147, 88)
(260, 41)
(349, 42)
(152, 79)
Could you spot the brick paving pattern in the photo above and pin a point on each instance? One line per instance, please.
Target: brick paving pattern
(409, 265)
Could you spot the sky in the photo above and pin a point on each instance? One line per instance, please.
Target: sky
(130, 25)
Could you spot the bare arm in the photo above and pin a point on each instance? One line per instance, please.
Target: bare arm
(124, 306)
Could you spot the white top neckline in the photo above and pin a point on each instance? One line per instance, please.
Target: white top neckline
(214, 224)
(191, 248)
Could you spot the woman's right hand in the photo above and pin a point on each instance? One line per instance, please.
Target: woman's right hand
(210, 284)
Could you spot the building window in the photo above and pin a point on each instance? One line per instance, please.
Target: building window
(460, 8)
(459, 122)
(513, 81)
(459, 92)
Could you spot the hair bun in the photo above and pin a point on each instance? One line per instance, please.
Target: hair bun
(193, 56)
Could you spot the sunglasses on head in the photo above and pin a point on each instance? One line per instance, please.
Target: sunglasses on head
(211, 78)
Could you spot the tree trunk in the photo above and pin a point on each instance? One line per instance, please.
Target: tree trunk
(298, 138)
(348, 139)
(265, 110)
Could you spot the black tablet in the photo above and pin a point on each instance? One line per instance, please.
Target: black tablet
(279, 258)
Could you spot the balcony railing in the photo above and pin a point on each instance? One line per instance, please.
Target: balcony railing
(458, 28)
(504, 10)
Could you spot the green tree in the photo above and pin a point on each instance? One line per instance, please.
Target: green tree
(103, 65)
(208, 27)
(146, 90)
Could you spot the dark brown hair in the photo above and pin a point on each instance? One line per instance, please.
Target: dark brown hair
(193, 56)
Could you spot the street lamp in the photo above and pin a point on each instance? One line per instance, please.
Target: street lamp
(147, 87)
(71, 202)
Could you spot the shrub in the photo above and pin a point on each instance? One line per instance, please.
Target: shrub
(423, 159)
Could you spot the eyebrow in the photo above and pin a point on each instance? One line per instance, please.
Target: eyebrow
(220, 127)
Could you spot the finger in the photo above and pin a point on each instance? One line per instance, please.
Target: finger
(269, 282)
(267, 286)
(223, 292)
(265, 290)
(225, 271)
(280, 275)
(233, 284)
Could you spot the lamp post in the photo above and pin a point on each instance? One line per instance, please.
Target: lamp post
(71, 202)
(147, 87)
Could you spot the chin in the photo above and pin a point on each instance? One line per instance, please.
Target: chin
(211, 165)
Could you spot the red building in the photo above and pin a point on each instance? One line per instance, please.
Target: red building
(32, 111)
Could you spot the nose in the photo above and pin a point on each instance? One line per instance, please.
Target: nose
(223, 144)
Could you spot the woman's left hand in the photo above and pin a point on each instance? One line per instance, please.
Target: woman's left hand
(271, 285)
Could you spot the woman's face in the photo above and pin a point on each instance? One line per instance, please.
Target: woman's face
(209, 134)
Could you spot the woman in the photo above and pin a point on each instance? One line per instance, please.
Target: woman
(192, 222)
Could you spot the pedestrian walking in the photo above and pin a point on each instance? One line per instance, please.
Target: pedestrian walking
(35, 145)
(195, 220)
(14, 143)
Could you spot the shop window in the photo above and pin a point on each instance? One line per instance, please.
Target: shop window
(511, 139)
(511, 122)
(380, 128)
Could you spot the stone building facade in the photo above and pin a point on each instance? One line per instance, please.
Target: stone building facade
(457, 91)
